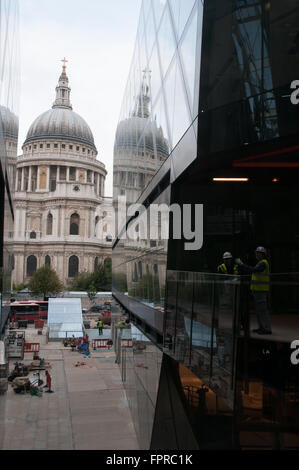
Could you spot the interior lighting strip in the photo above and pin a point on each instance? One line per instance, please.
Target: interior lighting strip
(234, 180)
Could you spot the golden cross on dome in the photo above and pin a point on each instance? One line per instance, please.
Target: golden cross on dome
(64, 63)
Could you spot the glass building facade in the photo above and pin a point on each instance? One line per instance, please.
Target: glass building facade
(9, 102)
(9, 96)
(210, 118)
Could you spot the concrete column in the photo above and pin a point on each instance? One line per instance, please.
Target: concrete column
(91, 224)
(65, 267)
(38, 179)
(48, 179)
(30, 178)
(68, 174)
(55, 222)
(23, 225)
(98, 186)
(62, 221)
(17, 224)
(21, 269)
(17, 180)
(59, 222)
(23, 179)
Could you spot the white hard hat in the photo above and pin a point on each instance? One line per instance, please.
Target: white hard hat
(260, 249)
(227, 255)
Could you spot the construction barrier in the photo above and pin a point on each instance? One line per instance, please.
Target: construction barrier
(126, 343)
(31, 347)
(39, 323)
(101, 343)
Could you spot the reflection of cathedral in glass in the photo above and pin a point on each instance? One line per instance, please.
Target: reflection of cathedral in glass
(140, 147)
(220, 90)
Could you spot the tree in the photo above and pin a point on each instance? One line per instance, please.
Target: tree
(45, 281)
(108, 272)
(92, 293)
(19, 287)
(81, 282)
(99, 280)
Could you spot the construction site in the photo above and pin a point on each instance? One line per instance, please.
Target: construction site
(65, 393)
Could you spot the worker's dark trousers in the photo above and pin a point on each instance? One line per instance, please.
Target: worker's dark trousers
(261, 308)
(100, 331)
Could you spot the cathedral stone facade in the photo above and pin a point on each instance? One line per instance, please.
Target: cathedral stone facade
(62, 218)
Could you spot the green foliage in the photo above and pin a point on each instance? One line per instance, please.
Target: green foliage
(120, 282)
(19, 287)
(147, 288)
(92, 292)
(45, 281)
(81, 282)
(99, 280)
(108, 271)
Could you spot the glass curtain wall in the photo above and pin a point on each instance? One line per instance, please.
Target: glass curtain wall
(9, 101)
(9, 97)
(140, 366)
(160, 105)
(159, 108)
(249, 61)
(161, 97)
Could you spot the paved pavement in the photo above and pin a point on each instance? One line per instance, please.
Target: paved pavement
(87, 411)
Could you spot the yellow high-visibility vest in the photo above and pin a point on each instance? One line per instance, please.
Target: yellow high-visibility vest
(223, 269)
(260, 282)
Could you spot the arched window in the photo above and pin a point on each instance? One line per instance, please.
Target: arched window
(74, 224)
(73, 266)
(96, 263)
(33, 235)
(31, 265)
(50, 224)
(48, 261)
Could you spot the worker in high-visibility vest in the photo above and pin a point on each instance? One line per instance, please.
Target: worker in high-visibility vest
(100, 327)
(228, 266)
(260, 287)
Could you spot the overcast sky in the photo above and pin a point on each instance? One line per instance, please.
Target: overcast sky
(97, 37)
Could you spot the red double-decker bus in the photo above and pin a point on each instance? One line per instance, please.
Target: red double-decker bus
(43, 306)
(29, 311)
